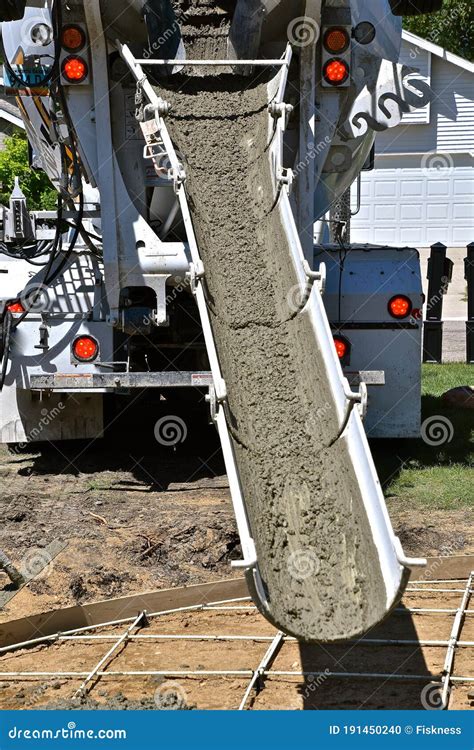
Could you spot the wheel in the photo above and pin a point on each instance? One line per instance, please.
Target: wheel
(415, 7)
(12, 10)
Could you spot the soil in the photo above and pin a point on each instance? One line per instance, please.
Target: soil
(315, 690)
(51, 493)
(134, 517)
(111, 504)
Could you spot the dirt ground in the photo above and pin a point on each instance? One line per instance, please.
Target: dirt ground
(139, 516)
(131, 521)
(315, 690)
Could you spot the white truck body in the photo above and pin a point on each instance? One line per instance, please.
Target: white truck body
(107, 305)
(133, 253)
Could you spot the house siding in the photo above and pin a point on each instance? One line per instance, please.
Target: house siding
(413, 56)
(422, 188)
(451, 125)
(454, 108)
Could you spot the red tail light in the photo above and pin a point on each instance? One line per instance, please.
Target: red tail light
(85, 348)
(15, 307)
(74, 69)
(336, 40)
(73, 38)
(400, 306)
(343, 347)
(336, 71)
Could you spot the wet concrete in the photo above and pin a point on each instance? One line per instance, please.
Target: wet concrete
(205, 27)
(315, 551)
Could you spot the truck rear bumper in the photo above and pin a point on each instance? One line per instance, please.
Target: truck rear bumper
(110, 382)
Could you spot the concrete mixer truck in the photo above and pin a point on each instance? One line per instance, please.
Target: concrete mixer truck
(197, 148)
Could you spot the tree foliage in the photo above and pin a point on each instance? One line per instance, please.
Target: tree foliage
(451, 28)
(34, 183)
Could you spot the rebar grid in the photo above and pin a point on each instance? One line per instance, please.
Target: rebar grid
(122, 639)
(256, 677)
(256, 681)
(455, 633)
(252, 638)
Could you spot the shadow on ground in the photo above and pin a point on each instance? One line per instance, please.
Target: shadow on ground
(185, 448)
(131, 445)
(321, 691)
(455, 432)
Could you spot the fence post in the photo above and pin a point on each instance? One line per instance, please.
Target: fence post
(440, 273)
(469, 276)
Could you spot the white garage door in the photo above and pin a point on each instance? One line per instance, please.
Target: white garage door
(414, 206)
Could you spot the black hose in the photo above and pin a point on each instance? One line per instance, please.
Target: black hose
(54, 70)
(28, 252)
(57, 242)
(8, 324)
(5, 341)
(77, 230)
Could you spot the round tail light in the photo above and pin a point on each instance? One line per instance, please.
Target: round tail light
(74, 69)
(342, 347)
(400, 306)
(336, 40)
(85, 348)
(73, 38)
(336, 71)
(15, 307)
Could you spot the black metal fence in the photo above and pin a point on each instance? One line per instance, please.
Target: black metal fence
(469, 276)
(440, 273)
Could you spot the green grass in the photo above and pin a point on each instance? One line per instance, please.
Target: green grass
(437, 379)
(436, 487)
(416, 474)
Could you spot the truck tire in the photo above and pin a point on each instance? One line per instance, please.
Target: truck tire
(415, 7)
(12, 10)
